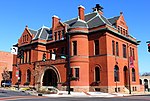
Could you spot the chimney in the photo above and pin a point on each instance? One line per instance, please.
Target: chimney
(55, 21)
(81, 12)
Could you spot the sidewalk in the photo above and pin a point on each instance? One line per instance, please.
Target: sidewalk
(90, 94)
(80, 94)
(83, 94)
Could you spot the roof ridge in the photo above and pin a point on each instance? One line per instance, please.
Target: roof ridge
(114, 17)
(45, 27)
(41, 31)
(91, 19)
(106, 19)
(37, 33)
(32, 29)
(101, 18)
(77, 17)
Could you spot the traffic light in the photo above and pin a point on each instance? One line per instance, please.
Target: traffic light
(149, 47)
(44, 57)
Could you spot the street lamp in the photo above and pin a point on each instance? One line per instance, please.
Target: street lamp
(128, 45)
(68, 69)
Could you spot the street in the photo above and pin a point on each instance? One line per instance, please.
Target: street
(7, 95)
(26, 98)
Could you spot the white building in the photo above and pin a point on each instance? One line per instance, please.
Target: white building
(145, 80)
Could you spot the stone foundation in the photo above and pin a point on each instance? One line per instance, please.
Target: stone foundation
(106, 89)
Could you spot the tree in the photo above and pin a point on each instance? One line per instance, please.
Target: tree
(6, 74)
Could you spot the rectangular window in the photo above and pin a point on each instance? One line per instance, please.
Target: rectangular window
(117, 49)
(55, 35)
(77, 72)
(54, 51)
(29, 55)
(22, 57)
(74, 44)
(59, 35)
(130, 51)
(62, 50)
(96, 43)
(113, 47)
(124, 51)
(26, 56)
(63, 34)
(133, 54)
(50, 54)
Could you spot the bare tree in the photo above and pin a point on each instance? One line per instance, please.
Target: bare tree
(6, 74)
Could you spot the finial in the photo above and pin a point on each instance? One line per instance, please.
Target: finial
(97, 8)
(121, 13)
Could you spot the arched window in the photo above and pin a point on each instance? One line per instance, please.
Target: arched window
(97, 74)
(133, 75)
(116, 73)
(146, 84)
(28, 75)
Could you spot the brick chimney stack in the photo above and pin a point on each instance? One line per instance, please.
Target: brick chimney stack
(81, 12)
(55, 21)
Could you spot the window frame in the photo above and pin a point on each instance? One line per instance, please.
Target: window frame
(96, 47)
(74, 48)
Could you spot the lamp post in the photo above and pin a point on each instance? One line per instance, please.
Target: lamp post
(68, 69)
(128, 45)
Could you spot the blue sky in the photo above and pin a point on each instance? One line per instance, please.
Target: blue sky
(16, 14)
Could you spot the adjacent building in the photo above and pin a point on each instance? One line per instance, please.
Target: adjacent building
(145, 80)
(101, 53)
(6, 61)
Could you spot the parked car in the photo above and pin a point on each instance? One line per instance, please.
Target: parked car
(6, 83)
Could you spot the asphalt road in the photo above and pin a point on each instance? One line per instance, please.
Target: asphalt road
(6, 95)
(77, 99)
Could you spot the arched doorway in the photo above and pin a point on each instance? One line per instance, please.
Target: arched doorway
(125, 70)
(50, 78)
(146, 84)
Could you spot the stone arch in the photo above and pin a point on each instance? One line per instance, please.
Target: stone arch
(97, 71)
(116, 73)
(51, 69)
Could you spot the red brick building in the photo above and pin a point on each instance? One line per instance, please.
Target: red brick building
(6, 61)
(100, 51)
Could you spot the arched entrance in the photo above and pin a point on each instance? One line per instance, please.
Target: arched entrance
(50, 78)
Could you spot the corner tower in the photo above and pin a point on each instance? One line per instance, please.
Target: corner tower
(79, 61)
